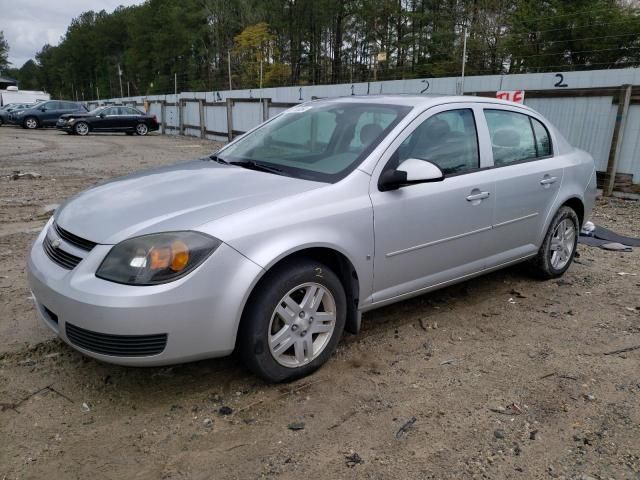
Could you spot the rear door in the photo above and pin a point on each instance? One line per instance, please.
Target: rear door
(50, 112)
(527, 177)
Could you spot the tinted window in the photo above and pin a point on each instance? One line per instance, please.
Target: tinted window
(130, 111)
(53, 105)
(112, 111)
(511, 137)
(543, 142)
(448, 139)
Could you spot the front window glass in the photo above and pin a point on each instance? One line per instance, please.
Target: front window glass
(448, 139)
(323, 141)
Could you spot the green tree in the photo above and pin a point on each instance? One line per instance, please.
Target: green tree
(4, 52)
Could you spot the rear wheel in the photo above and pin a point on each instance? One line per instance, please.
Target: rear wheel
(81, 128)
(559, 246)
(31, 123)
(142, 129)
(294, 322)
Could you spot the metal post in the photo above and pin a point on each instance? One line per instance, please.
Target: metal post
(128, 94)
(265, 109)
(229, 65)
(163, 116)
(202, 125)
(464, 58)
(180, 116)
(229, 119)
(175, 84)
(120, 78)
(624, 100)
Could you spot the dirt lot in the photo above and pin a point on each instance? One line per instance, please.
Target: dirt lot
(500, 377)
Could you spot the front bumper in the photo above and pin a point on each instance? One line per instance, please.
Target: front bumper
(64, 125)
(198, 314)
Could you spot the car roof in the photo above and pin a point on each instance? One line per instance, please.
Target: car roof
(420, 101)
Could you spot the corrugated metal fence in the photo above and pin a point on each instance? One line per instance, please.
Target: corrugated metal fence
(584, 106)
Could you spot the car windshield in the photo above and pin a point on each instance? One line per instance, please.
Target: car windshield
(321, 141)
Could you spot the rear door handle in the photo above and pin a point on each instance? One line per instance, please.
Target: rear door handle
(548, 180)
(478, 196)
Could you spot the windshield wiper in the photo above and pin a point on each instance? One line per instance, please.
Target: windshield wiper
(252, 165)
(218, 159)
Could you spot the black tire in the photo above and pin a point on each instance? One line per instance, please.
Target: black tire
(142, 129)
(31, 123)
(81, 128)
(542, 263)
(254, 328)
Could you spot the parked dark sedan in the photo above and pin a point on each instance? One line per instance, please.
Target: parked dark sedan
(11, 107)
(108, 119)
(44, 114)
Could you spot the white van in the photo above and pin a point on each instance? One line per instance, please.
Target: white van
(13, 95)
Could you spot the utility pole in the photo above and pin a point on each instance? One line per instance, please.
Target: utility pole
(464, 57)
(98, 93)
(229, 65)
(120, 78)
(128, 94)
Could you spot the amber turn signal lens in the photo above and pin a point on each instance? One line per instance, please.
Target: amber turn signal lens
(179, 255)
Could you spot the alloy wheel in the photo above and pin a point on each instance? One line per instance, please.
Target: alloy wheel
(302, 324)
(82, 128)
(141, 129)
(562, 243)
(31, 123)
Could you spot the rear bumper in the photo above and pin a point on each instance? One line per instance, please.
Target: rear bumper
(197, 316)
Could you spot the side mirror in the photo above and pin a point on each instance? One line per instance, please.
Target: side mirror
(410, 172)
(101, 115)
(43, 109)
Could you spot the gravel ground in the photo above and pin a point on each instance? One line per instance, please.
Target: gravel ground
(503, 376)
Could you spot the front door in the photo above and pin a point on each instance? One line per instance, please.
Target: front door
(429, 234)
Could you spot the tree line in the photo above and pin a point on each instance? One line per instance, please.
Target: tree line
(196, 45)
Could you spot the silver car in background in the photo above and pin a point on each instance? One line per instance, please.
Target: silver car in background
(278, 242)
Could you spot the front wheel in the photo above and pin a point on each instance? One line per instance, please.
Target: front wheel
(81, 128)
(142, 129)
(559, 246)
(294, 321)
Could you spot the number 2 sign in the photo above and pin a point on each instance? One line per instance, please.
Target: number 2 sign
(511, 95)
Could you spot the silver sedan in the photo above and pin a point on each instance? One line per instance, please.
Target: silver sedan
(278, 242)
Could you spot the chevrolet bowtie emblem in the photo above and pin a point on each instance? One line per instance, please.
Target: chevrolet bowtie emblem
(56, 243)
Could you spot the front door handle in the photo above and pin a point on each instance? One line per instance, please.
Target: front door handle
(477, 196)
(547, 180)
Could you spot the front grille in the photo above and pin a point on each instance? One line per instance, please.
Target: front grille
(76, 241)
(116, 345)
(59, 256)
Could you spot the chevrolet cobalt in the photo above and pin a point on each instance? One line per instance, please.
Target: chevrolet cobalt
(277, 243)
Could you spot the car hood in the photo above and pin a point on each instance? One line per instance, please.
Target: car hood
(178, 197)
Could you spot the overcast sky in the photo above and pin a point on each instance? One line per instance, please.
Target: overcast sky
(29, 24)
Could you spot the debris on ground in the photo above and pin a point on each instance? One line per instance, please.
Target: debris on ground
(225, 410)
(405, 428)
(18, 175)
(353, 459)
(296, 426)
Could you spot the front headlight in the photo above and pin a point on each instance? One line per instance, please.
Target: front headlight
(156, 258)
